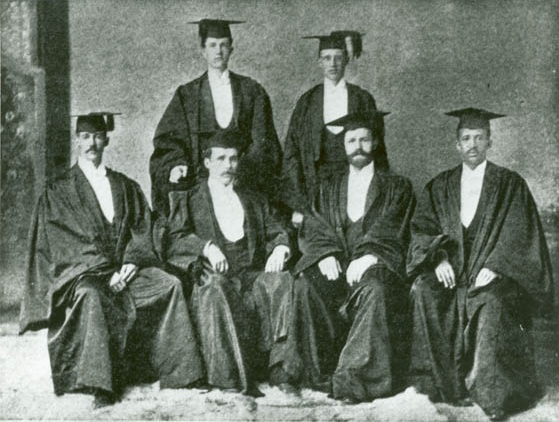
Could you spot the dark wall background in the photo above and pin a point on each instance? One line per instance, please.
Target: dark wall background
(421, 58)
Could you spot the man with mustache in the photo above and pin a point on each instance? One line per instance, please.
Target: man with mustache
(314, 151)
(228, 242)
(350, 294)
(219, 99)
(94, 280)
(481, 266)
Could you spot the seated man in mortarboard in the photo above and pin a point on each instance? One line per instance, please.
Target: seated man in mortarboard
(350, 293)
(228, 242)
(480, 262)
(218, 99)
(93, 279)
(314, 151)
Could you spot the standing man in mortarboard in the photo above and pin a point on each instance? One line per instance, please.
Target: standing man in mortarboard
(481, 265)
(228, 242)
(313, 151)
(219, 99)
(94, 280)
(351, 292)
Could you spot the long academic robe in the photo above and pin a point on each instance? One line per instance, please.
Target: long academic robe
(472, 339)
(304, 144)
(177, 139)
(241, 313)
(365, 321)
(73, 252)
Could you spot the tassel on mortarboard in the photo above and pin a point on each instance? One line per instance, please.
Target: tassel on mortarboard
(353, 42)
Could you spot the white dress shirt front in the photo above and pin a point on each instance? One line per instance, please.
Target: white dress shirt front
(222, 95)
(335, 102)
(470, 191)
(228, 210)
(358, 183)
(97, 178)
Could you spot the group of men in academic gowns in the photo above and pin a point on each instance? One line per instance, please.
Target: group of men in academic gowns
(326, 309)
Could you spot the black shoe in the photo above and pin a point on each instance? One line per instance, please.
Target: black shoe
(463, 402)
(253, 391)
(289, 389)
(499, 415)
(199, 385)
(103, 399)
(324, 386)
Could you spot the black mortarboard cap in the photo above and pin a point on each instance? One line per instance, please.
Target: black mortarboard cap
(216, 28)
(352, 40)
(224, 138)
(97, 121)
(474, 118)
(359, 120)
(328, 42)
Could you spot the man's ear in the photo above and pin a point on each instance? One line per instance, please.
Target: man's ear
(206, 162)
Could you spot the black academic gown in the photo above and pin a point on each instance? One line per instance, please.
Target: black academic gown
(364, 321)
(469, 339)
(73, 252)
(241, 313)
(177, 139)
(304, 143)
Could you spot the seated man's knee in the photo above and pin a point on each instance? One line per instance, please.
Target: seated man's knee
(301, 286)
(88, 288)
(424, 285)
(214, 280)
(166, 280)
(376, 281)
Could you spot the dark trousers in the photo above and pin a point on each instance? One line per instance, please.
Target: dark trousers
(351, 334)
(92, 334)
(475, 341)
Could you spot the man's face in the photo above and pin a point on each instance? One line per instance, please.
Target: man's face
(333, 62)
(472, 145)
(222, 164)
(359, 146)
(217, 51)
(91, 146)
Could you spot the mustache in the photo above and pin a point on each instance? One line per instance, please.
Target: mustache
(360, 152)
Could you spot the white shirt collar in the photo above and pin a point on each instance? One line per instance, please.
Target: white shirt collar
(216, 185)
(215, 76)
(478, 172)
(330, 86)
(90, 170)
(367, 171)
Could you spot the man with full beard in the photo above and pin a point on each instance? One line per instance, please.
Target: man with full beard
(351, 290)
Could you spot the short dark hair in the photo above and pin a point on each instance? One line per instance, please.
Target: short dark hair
(207, 153)
(488, 130)
(204, 38)
(346, 55)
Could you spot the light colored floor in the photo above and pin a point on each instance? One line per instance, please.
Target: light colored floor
(26, 393)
